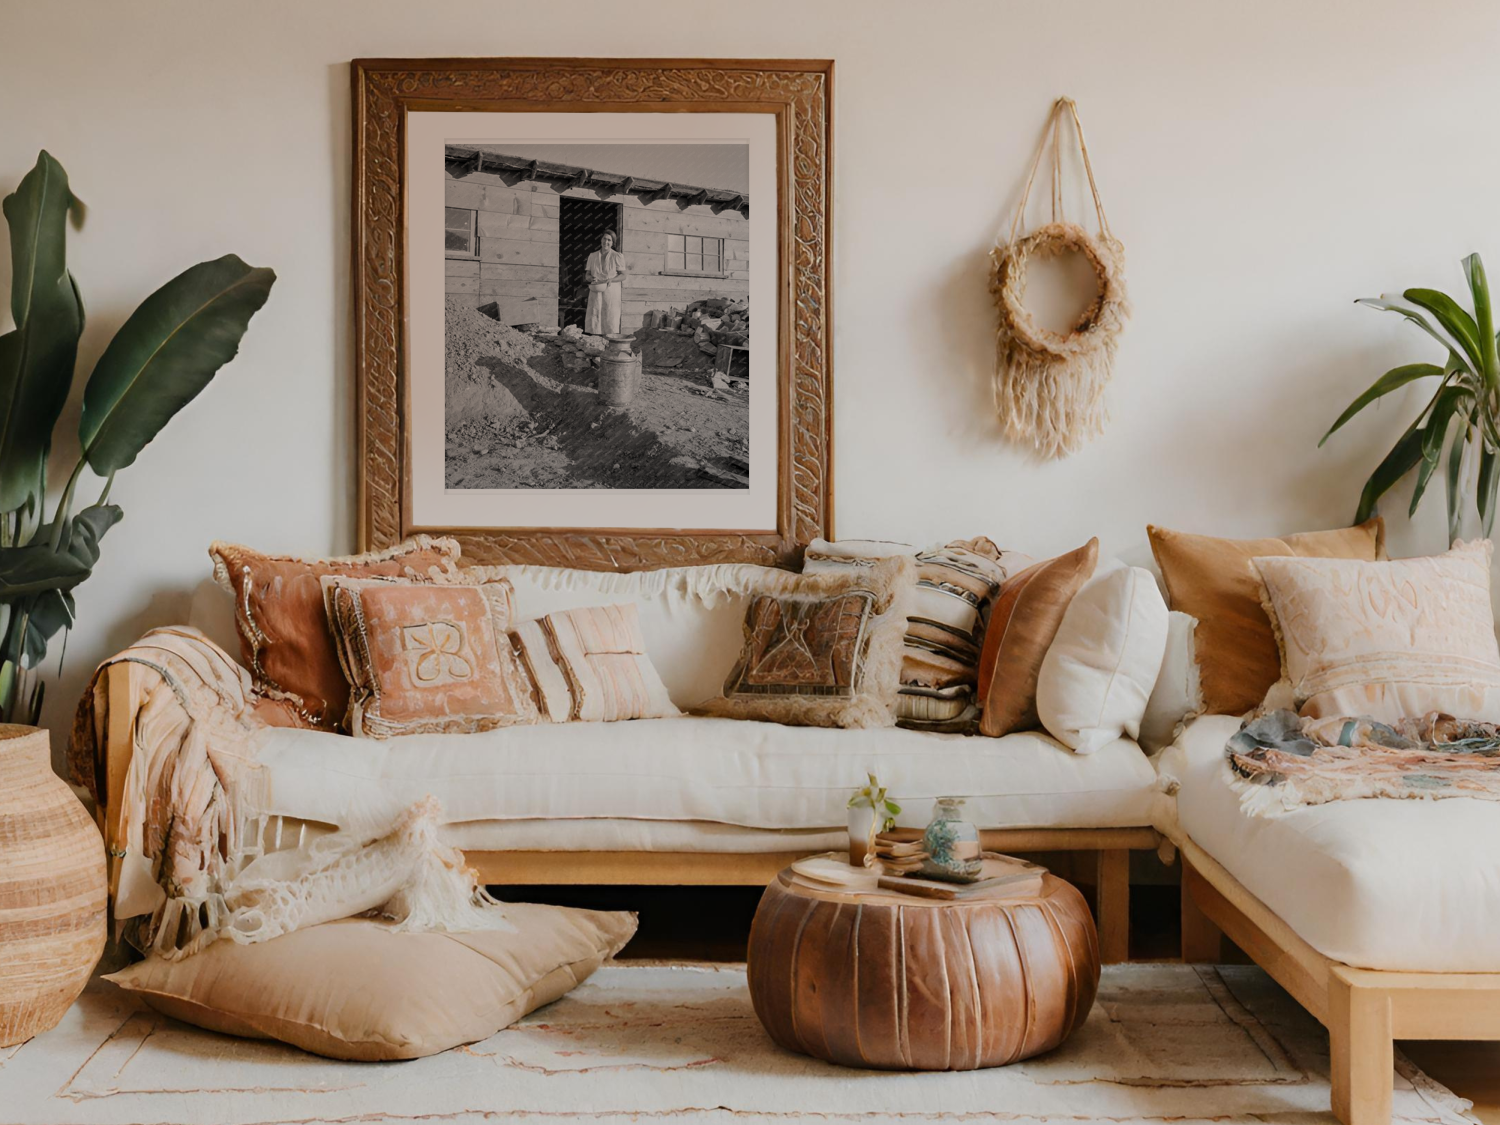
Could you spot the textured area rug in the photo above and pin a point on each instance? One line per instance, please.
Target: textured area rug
(644, 1042)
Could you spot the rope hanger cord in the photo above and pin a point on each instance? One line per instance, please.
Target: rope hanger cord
(1049, 386)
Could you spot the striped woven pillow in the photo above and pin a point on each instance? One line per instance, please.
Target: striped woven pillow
(956, 583)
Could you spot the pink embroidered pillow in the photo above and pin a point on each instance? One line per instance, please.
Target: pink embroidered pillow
(1391, 640)
(426, 658)
(591, 665)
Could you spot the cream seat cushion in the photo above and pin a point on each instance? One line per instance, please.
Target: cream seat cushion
(1378, 884)
(355, 990)
(728, 771)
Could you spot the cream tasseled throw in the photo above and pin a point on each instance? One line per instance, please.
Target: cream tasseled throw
(192, 862)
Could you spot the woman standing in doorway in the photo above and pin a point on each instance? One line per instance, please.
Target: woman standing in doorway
(605, 272)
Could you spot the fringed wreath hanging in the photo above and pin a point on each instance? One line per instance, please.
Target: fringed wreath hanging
(1049, 386)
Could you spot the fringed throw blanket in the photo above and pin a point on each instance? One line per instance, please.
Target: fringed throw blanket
(1281, 761)
(192, 862)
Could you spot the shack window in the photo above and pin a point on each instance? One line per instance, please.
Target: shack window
(461, 241)
(695, 254)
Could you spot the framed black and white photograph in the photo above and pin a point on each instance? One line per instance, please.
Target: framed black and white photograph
(612, 322)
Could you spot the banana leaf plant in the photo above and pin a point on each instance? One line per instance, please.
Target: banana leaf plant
(1463, 414)
(164, 354)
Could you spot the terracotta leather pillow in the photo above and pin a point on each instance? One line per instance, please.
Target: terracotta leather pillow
(1215, 581)
(356, 990)
(1026, 617)
(279, 615)
(427, 657)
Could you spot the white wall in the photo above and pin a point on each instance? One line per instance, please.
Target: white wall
(1264, 163)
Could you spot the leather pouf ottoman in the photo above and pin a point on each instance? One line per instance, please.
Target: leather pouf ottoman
(896, 982)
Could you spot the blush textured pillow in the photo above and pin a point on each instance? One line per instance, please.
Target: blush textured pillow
(1100, 668)
(427, 657)
(823, 650)
(590, 665)
(1214, 581)
(1025, 619)
(356, 990)
(283, 628)
(1390, 640)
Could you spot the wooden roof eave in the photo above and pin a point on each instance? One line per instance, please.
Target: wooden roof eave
(514, 170)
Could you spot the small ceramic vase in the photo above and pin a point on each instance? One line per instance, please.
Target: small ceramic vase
(952, 844)
(861, 818)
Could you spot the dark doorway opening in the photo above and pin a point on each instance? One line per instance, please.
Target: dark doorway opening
(581, 223)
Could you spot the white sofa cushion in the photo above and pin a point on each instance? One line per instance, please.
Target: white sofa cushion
(758, 775)
(1100, 668)
(1378, 884)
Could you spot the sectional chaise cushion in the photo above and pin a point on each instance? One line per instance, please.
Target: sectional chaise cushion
(1402, 885)
(729, 771)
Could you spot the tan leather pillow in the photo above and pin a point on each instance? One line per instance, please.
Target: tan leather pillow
(427, 657)
(1214, 580)
(1027, 613)
(283, 628)
(355, 990)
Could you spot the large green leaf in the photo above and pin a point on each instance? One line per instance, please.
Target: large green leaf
(1489, 480)
(164, 355)
(37, 356)
(1396, 303)
(37, 567)
(1455, 475)
(1454, 319)
(1402, 458)
(1448, 402)
(1479, 289)
(1393, 379)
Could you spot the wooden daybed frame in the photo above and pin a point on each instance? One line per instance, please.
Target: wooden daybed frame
(1112, 846)
(1364, 1010)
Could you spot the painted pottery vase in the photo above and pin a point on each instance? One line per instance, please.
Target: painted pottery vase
(619, 372)
(52, 889)
(901, 982)
(951, 843)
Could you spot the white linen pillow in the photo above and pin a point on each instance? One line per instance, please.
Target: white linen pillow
(1099, 672)
(1178, 694)
(1388, 640)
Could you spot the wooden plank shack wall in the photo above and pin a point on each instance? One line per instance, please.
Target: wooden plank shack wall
(518, 250)
(644, 244)
(517, 266)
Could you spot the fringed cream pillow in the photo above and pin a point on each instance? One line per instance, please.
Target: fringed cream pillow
(823, 650)
(1390, 640)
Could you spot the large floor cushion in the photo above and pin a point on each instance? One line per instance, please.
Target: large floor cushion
(729, 771)
(1408, 885)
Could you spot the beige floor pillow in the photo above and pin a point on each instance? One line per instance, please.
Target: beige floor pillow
(355, 990)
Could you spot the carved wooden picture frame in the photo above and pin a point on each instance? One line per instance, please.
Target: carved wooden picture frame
(797, 94)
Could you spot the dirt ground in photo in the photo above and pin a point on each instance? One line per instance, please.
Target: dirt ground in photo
(518, 415)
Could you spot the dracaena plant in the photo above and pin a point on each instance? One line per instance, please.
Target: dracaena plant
(158, 361)
(1459, 427)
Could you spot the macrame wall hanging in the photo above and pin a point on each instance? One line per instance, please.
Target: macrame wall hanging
(1049, 386)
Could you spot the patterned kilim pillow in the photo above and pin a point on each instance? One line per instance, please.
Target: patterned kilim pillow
(956, 584)
(427, 657)
(823, 649)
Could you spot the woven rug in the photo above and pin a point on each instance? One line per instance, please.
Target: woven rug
(646, 1042)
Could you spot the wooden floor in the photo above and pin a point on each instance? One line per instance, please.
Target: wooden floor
(713, 924)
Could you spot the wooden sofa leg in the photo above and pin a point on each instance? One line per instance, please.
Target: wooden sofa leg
(1202, 941)
(1112, 888)
(1361, 1052)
